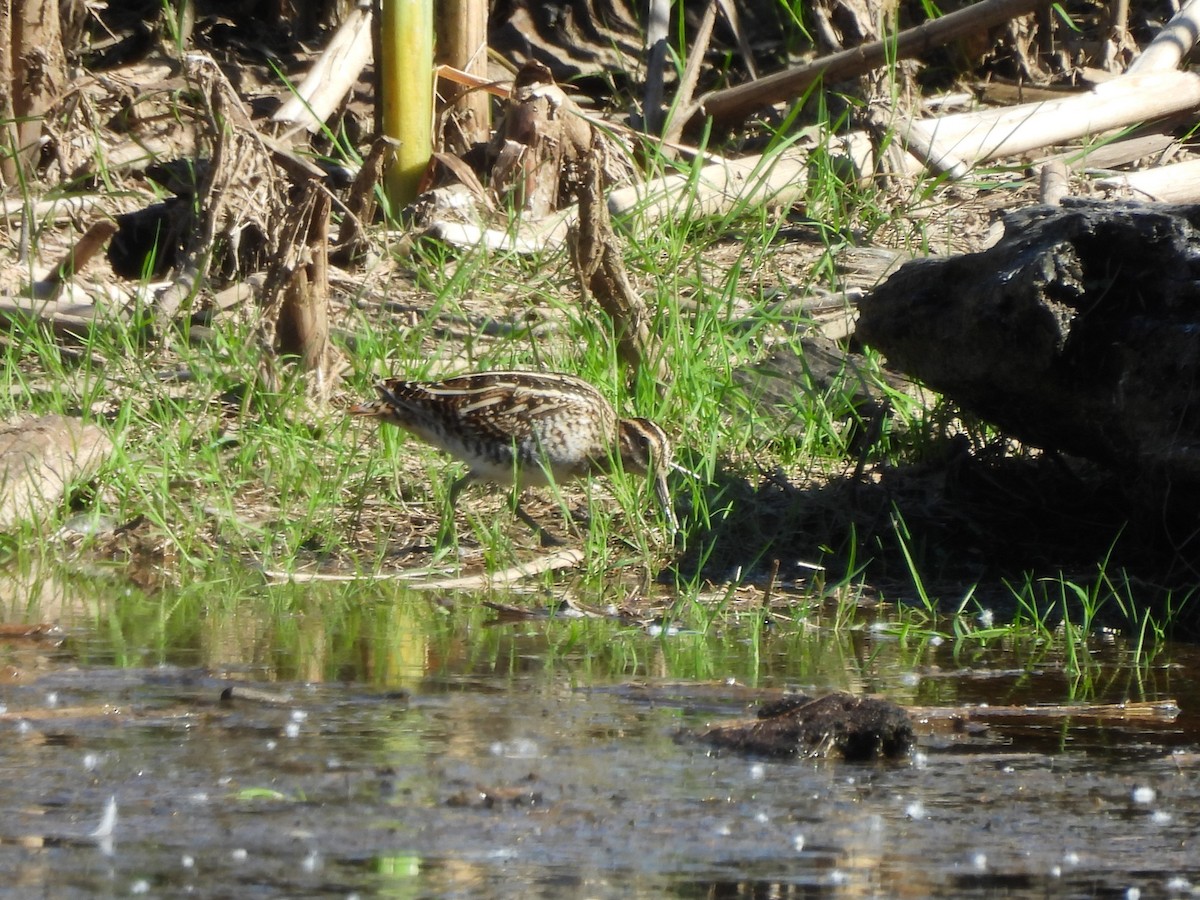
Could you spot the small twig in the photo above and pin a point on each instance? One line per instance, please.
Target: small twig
(770, 588)
(1054, 182)
(730, 10)
(1162, 710)
(691, 74)
(78, 256)
(917, 143)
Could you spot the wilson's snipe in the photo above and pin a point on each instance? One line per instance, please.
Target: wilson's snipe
(524, 427)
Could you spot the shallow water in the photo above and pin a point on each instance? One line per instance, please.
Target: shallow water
(388, 747)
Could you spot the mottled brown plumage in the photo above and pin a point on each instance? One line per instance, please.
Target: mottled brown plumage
(524, 427)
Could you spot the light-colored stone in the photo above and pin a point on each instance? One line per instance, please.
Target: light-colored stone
(39, 458)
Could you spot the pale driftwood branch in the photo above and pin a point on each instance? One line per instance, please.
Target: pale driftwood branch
(732, 103)
(332, 75)
(922, 146)
(922, 153)
(241, 293)
(60, 209)
(1172, 43)
(302, 576)
(1150, 710)
(560, 559)
(719, 188)
(40, 458)
(1121, 152)
(66, 317)
(418, 580)
(976, 137)
(1178, 183)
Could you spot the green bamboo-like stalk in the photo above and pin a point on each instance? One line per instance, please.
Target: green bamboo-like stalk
(406, 93)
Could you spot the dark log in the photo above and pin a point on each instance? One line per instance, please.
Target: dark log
(1079, 331)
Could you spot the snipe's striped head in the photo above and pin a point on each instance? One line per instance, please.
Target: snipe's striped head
(644, 449)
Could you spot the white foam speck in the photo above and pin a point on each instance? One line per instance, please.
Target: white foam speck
(1144, 794)
(108, 820)
(517, 748)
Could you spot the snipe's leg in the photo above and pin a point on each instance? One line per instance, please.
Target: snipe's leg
(456, 489)
(544, 537)
(449, 525)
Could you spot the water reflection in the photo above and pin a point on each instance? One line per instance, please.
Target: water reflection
(380, 744)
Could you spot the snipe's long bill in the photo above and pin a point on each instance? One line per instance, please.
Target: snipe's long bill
(525, 428)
